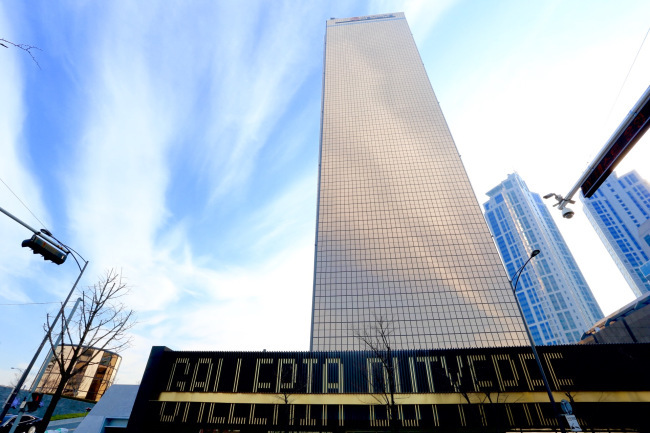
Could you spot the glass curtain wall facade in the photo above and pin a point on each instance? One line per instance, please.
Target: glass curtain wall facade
(400, 234)
(619, 211)
(98, 371)
(557, 302)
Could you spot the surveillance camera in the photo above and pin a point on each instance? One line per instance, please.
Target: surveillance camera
(567, 213)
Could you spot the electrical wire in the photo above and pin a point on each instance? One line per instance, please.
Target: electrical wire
(21, 202)
(628, 74)
(34, 303)
(72, 252)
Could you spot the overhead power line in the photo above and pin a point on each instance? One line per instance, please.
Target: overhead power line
(34, 303)
(628, 74)
(23, 203)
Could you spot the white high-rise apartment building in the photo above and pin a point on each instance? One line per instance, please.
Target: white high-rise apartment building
(619, 211)
(555, 298)
(400, 234)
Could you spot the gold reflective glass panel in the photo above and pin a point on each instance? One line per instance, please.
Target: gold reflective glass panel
(400, 233)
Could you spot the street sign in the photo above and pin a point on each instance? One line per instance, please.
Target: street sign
(573, 422)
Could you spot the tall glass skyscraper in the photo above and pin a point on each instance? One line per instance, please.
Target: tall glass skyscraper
(557, 302)
(400, 234)
(618, 211)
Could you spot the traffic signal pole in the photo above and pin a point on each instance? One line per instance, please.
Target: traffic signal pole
(24, 404)
(21, 381)
(43, 242)
(22, 223)
(50, 354)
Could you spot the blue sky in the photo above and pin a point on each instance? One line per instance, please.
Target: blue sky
(178, 143)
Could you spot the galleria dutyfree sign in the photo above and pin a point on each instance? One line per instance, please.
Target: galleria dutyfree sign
(465, 389)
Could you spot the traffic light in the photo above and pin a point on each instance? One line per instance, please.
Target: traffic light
(46, 248)
(37, 401)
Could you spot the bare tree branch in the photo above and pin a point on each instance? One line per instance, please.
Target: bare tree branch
(288, 383)
(101, 325)
(377, 337)
(25, 47)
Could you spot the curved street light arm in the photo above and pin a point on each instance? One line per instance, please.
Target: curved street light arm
(532, 344)
(68, 249)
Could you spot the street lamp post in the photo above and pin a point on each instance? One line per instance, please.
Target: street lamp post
(532, 343)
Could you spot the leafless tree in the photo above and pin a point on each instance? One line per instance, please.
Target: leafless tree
(288, 383)
(13, 382)
(377, 337)
(492, 398)
(102, 323)
(25, 47)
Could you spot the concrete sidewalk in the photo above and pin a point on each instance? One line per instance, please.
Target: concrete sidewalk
(71, 424)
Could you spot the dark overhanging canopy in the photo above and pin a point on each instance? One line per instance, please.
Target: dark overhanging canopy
(619, 144)
(628, 133)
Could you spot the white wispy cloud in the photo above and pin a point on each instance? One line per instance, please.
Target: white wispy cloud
(422, 15)
(258, 68)
(179, 166)
(145, 120)
(262, 308)
(15, 168)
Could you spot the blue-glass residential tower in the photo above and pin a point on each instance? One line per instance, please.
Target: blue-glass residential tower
(619, 211)
(557, 302)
